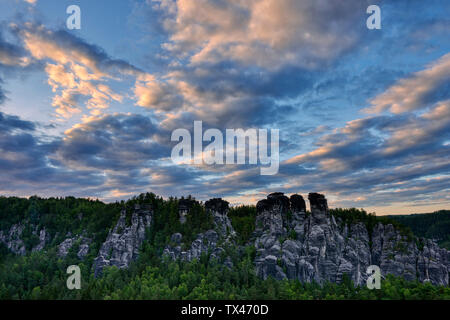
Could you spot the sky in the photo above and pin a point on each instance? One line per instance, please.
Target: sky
(363, 114)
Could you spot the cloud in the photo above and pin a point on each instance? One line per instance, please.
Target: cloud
(265, 33)
(77, 71)
(11, 55)
(157, 95)
(423, 88)
(93, 159)
(2, 94)
(236, 99)
(26, 164)
(13, 61)
(8, 123)
(240, 64)
(112, 142)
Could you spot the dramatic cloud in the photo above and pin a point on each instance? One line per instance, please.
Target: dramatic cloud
(265, 33)
(418, 91)
(113, 143)
(79, 71)
(26, 164)
(2, 94)
(309, 68)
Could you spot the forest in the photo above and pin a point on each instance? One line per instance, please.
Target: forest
(42, 274)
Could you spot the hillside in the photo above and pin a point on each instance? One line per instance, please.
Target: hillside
(151, 248)
(434, 225)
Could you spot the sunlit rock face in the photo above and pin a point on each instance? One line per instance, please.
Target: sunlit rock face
(123, 242)
(294, 244)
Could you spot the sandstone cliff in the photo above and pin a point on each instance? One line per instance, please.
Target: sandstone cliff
(294, 244)
(212, 241)
(123, 242)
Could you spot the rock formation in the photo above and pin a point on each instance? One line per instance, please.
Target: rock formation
(211, 241)
(12, 239)
(44, 238)
(290, 243)
(67, 244)
(184, 205)
(218, 208)
(294, 244)
(123, 242)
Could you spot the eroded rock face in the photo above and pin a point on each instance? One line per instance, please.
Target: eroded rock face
(123, 242)
(184, 206)
(394, 254)
(207, 242)
(12, 239)
(292, 244)
(67, 244)
(219, 210)
(44, 238)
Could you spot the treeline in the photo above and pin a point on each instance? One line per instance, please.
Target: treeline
(59, 217)
(434, 225)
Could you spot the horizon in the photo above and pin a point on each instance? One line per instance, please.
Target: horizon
(232, 205)
(363, 114)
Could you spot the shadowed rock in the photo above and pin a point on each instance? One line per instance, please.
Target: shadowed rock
(217, 205)
(276, 199)
(320, 247)
(207, 242)
(297, 203)
(317, 202)
(184, 205)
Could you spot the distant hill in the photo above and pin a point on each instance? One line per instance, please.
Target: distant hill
(434, 225)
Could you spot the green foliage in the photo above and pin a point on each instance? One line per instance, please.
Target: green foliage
(243, 221)
(292, 234)
(43, 277)
(428, 225)
(353, 215)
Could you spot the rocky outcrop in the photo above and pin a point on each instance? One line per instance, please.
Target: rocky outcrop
(424, 260)
(68, 243)
(184, 205)
(123, 242)
(12, 239)
(204, 243)
(210, 242)
(294, 244)
(44, 238)
(218, 208)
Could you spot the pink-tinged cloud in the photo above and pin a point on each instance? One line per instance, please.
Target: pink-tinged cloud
(266, 33)
(77, 72)
(413, 93)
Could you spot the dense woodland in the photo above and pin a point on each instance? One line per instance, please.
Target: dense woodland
(434, 225)
(42, 275)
